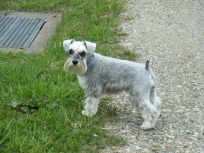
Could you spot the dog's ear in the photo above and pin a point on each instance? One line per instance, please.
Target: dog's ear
(66, 44)
(91, 47)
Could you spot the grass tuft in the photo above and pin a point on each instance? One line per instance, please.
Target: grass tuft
(40, 105)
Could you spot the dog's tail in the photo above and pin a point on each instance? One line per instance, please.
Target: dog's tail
(148, 68)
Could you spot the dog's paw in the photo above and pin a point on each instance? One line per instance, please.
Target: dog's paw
(147, 126)
(86, 113)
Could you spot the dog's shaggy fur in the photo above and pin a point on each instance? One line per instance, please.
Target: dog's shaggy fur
(99, 74)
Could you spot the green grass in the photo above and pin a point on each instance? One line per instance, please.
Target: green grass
(40, 105)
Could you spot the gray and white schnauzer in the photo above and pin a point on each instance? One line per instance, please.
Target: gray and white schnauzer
(99, 74)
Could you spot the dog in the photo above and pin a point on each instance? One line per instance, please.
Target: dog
(98, 74)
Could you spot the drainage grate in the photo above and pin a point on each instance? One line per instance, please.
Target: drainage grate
(19, 32)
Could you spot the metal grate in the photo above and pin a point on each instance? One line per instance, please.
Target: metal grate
(19, 32)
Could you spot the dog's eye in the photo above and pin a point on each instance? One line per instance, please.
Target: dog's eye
(82, 53)
(71, 51)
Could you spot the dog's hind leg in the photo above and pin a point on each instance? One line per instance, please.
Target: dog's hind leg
(147, 109)
(155, 100)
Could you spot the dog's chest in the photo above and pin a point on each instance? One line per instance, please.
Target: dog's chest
(82, 81)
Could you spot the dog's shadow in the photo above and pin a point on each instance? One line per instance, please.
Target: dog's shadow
(119, 113)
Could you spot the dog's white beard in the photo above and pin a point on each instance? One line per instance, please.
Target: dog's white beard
(80, 68)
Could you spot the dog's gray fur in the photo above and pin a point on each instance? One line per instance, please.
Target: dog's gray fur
(99, 74)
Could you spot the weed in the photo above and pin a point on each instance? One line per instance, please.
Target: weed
(40, 105)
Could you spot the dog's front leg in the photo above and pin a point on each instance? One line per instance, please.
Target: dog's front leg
(91, 106)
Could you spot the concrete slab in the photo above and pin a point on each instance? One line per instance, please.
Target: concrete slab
(43, 36)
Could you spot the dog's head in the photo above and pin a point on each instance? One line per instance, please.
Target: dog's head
(80, 54)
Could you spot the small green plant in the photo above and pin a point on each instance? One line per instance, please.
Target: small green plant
(40, 105)
(128, 17)
(129, 55)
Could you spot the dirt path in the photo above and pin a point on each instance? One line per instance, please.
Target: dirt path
(171, 34)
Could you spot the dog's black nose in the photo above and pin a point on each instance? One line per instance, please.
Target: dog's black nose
(75, 62)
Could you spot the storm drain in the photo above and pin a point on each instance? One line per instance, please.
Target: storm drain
(19, 32)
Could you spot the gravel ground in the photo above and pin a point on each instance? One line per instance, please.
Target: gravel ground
(171, 34)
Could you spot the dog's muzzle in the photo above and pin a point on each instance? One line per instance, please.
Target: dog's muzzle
(75, 66)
